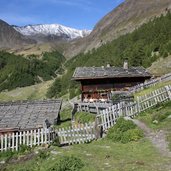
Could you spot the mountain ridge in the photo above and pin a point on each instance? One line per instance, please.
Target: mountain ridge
(10, 38)
(51, 32)
(128, 16)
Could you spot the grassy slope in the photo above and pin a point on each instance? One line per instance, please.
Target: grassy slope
(27, 93)
(148, 90)
(104, 155)
(161, 66)
(165, 124)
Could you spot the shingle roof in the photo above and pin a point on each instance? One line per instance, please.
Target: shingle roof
(108, 72)
(28, 114)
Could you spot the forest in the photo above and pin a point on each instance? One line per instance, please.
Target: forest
(17, 71)
(141, 47)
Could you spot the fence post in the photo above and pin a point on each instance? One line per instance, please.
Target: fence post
(13, 140)
(2, 143)
(16, 141)
(168, 89)
(5, 142)
(97, 128)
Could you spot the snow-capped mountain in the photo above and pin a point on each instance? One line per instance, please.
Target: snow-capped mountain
(52, 30)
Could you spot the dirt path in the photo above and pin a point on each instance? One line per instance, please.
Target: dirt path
(158, 139)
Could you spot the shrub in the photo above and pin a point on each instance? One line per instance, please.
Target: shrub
(68, 163)
(131, 135)
(124, 131)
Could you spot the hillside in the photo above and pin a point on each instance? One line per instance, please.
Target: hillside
(10, 38)
(124, 19)
(142, 47)
(161, 66)
(16, 71)
(34, 92)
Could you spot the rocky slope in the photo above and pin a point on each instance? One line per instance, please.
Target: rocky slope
(10, 38)
(125, 18)
(51, 32)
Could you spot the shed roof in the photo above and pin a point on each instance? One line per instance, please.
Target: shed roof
(28, 114)
(109, 72)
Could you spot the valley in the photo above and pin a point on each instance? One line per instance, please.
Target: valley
(37, 63)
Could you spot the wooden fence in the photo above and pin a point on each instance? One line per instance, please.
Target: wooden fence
(92, 107)
(83, 133)
(150, 83)
(77, 134)
(13, 141)
(109, 116)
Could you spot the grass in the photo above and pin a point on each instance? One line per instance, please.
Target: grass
(149, 90)
(161, 66)
(80, 117)
(163, 124)
(102, 155)
(27, 93)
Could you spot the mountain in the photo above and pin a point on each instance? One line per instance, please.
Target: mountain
(10, 38)
(130, 15)
(51, 32)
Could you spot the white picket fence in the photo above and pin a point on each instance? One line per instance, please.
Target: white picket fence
(13, 141)
(109, 116)
(81, 133)
(150, 83)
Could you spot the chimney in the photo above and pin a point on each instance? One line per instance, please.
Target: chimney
(125, 65)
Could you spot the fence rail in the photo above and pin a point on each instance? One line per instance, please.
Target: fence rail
(13, 141)
(109, 116)
(92, 107)
(77, 134)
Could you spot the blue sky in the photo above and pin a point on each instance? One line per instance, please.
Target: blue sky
(80, 14)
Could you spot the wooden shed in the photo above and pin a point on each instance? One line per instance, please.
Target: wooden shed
(97, 83)
(27, 115)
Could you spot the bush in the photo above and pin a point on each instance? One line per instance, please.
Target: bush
(124, 131)
(131, 135)
(68, 163)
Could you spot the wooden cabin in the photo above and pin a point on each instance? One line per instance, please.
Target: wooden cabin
(97, 83)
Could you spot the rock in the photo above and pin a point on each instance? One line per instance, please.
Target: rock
(155, 122)
(2, 162)
(169, 116)
(36, 152)
(45, 145)
(55, 152)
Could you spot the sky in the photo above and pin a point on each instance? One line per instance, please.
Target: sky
(79, 14)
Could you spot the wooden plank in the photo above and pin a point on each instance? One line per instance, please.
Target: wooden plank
(5, 142)
(38, 137)
(13, 141)
(16, 141)
(2, 143)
